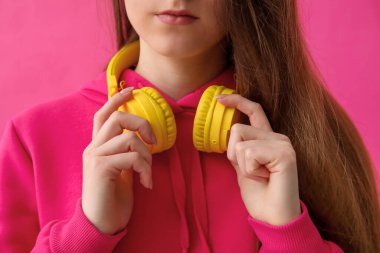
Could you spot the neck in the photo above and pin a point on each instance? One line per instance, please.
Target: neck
(179, 76)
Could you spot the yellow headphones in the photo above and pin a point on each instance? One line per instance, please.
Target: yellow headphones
(212, 121)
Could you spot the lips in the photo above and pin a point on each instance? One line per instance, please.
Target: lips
(176, 17)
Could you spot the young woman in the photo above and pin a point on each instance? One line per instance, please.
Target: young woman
(295, 176)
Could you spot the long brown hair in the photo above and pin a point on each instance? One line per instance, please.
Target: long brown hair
(274, 68)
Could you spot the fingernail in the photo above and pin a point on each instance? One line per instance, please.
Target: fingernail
(220, 96)
(126, 90)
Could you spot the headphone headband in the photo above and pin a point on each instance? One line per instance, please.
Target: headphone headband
(123, 59)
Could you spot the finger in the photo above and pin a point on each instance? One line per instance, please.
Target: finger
(240, 159)
(240, 132)
(135, 161)
(123, 143)
(247, 132)
(253, 110)
(248, 165)
(267, 153)
(109, 107)
(253, 168)
(118, 121)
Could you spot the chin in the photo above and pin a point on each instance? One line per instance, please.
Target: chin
(178, 48)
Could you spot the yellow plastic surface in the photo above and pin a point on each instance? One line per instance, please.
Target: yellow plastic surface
(123, 59)
(212, 121)
(146, 102)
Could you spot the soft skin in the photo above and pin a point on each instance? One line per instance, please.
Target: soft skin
(265, 164)
(179, 59)
(108, 163)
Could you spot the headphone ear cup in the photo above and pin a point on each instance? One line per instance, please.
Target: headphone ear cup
(213, 121)
(149, 104)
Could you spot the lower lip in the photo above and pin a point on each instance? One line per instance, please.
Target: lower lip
(176, 20)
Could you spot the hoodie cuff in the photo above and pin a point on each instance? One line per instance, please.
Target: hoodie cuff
(299, 235)
(79, 235)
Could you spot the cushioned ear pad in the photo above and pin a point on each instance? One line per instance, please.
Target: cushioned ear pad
(149, 104)
(213, 121)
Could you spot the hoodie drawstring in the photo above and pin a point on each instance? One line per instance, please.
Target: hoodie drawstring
(198, 198)
(179, 189)
(199, 201)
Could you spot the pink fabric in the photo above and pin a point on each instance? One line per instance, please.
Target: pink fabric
(195, 205)
(300, 235)
(55, 46)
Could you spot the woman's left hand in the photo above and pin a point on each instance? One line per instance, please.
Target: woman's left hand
(265, 163)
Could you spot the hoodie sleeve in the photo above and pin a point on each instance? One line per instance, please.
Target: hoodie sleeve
(300, 235)
(20, 230)
(77, 234)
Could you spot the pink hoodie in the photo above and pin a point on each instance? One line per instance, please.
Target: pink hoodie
(195, 204)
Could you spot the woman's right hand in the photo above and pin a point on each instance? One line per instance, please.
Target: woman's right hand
(108, 164)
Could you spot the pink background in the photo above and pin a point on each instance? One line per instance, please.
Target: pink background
(50, 48)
